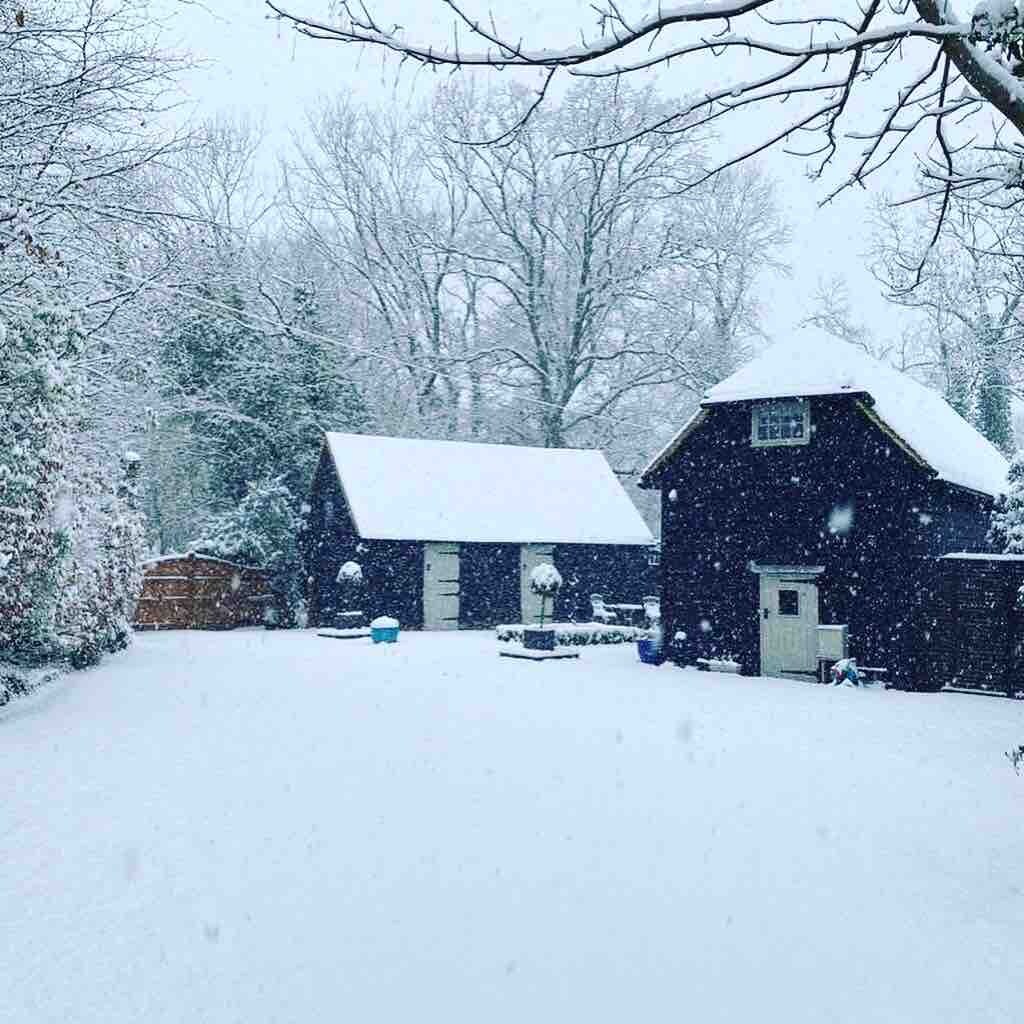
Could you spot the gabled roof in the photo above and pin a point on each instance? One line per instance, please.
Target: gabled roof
(403, 489)
(814, 363)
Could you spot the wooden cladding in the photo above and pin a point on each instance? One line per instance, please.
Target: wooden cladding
(197, 592)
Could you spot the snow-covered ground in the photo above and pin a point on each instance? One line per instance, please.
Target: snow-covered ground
(263, 827)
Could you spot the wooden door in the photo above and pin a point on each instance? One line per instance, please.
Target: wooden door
(488, 585)
(532, 555)
(440, 585)
(789, 619)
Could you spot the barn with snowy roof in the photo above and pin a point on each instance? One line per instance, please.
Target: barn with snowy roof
(446, 533)
(816, 486)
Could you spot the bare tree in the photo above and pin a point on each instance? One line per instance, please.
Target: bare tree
(813, 61)
(970, 299)
(736, 237)
(81, 84)
(578, 255)
(370, 200)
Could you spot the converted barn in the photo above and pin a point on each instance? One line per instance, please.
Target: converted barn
(817, 486)
(446, 533)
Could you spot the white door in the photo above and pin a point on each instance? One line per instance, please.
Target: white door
(789, 619)
(530, 556)
(440, 586)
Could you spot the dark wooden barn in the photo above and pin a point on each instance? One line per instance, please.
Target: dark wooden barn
(200, 592)
(816, 486)
(447, 533)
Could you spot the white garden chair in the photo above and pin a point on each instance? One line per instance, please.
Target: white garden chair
(600, 613)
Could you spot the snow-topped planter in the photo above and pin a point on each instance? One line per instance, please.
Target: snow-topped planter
(350, 583)
(545, 582)
(384, 630)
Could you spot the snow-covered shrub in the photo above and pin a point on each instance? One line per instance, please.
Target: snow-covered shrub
(71, 539)
(350, 582)
(12, 684)
(104, 574)
(574, 633)
(1006, 530)
(545, 582)
(263, 530)
(1006, 533)
(350, 573)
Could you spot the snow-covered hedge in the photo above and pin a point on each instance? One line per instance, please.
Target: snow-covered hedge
(71, 535)
(575, 633)
(19, 681)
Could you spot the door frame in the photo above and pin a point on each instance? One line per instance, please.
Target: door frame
(449, 589)
(770, 576)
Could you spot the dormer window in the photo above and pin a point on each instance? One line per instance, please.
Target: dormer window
(780, 422)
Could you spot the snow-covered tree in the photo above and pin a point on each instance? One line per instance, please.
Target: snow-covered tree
(545, 582)
(264, 530)
(82, 86)
(1007, 531)
(367, 197)
(37, 395)
(969, 299)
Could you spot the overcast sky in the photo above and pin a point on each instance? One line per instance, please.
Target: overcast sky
(255, 64)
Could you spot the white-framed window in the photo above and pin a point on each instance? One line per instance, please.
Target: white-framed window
(654, 557)
(786, 421)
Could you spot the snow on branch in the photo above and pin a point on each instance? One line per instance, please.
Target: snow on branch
(980, 56)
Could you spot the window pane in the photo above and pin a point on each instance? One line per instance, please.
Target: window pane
(781, 422)
(789, 602)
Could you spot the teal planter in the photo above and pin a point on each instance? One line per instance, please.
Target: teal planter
(384, 634)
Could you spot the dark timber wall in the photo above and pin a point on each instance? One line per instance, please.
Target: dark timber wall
(726, 503)
(975, 634)
(488, 584)
(392, 570)
(620, 573)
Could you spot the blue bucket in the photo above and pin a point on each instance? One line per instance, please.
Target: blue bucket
(384, 634)
(649, 650)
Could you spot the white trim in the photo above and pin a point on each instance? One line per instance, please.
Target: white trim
(786, 570)
(983, 556)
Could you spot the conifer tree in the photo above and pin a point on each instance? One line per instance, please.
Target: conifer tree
(263, 530)
(37, 391)
(1007, 531)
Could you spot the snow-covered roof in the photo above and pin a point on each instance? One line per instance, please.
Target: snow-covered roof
(983, 556)
(812, 362)
(403, 489)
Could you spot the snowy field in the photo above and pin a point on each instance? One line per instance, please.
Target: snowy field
(263, 827)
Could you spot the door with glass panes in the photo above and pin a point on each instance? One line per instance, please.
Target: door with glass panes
(789, 620)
